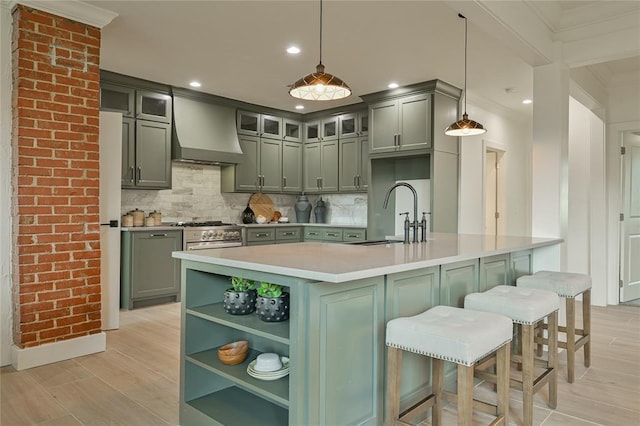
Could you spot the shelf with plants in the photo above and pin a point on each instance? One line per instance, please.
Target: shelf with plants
(208, 325)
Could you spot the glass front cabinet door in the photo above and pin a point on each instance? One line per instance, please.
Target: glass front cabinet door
(153, 106)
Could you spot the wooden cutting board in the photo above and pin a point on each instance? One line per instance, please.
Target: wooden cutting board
(261, 204)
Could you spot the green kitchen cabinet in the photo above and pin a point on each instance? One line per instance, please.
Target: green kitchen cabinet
(259, 236)
(320, 161)
(261, 168)
(457, 280)
(147, 110)
(149, 275)
(325, 129)
(521, 263)
(291, 166)
(354, 164)
(334, 234)
(292, 130)
(256, 124)
(153, 155)
(288, 234)
(353, 124)
(401, 124)
(494, 271)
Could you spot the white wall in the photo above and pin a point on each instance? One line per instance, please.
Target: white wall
(6, 245)
(513, 135)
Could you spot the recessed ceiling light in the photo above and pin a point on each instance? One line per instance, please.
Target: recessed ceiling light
(393, 85)
(299, 106)
(527, 101)
(294, 50)
(195, 84)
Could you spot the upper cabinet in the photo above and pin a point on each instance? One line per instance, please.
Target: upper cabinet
(292, 130)
(146, 129)
(153, 106)
(262, 125)
(325, 129)
(401, 124)
(353, 124)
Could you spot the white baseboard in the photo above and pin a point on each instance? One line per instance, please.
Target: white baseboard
(21, 359)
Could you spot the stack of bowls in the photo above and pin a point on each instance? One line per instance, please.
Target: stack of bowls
(234, 353)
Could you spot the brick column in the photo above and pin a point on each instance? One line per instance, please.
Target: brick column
(56, 293)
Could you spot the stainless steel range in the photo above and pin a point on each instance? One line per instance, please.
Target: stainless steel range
(210, 235)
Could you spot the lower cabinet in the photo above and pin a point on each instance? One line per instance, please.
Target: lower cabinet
(273, 235)
(457, 280)
(521, 263)
(336, 235)
(494, 271)
(148, 273)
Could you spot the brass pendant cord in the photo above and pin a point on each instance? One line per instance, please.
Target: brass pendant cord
(465, 61)
(320, 32)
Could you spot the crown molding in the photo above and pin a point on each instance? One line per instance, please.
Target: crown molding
(72, 9)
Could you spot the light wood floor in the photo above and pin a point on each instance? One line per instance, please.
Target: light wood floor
(135, 382)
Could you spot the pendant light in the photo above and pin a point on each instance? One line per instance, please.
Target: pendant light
(465, 127)
(319, 85)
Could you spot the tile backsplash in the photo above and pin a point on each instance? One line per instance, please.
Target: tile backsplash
(196, 196)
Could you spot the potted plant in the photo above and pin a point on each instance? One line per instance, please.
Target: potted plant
(273, 303)
(240, 299)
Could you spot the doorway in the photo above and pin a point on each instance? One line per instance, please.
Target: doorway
(630, 218)
(492, 192)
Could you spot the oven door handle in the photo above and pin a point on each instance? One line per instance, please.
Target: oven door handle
(204, 246)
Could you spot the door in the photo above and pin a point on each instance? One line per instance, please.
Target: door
(291, 167)
(491, 193)
(630, 226)
(348, 176)
(110, 154)
(153, 154)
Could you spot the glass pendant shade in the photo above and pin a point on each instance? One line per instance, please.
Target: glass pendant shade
(319, 86)
(465, 127)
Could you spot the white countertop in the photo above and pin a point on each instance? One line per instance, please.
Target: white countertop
(337, 263)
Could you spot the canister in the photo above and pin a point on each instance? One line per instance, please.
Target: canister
(127, 220)
(138, 217)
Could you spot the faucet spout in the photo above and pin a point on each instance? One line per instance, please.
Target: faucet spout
(414, 224)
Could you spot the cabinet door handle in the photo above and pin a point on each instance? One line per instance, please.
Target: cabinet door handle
(352, 235)
(139, 172)
(130, 174)
(284, 181)
(288, 233)
(321, 182)
(355, 180)
(358, 179)
(331, 234)
(262, 234)
(313, 234)
(318, 182)
(158, 235)
(399, 141)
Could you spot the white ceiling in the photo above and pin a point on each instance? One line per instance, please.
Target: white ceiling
(237, 48)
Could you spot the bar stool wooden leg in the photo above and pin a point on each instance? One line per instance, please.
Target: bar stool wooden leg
(571, 338)
(394, 374)
(437, 383)
(586, 325)
(503, 365)
(528, 334)
(465, 395)
(553, 358)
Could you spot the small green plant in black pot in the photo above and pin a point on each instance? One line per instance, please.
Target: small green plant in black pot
(273, 303)
(240, 299)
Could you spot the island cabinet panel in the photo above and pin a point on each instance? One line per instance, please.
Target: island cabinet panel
(494, 271)
(344, 365)
(408, 294)
(521, 264)
(457, 280)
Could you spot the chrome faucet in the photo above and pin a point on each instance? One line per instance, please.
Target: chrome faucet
(413, 225)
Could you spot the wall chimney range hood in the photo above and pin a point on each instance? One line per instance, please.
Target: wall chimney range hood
(203, 132)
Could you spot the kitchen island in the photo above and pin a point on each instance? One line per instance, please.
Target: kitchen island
(341, 296)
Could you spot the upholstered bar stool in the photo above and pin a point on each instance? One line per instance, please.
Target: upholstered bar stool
(526, 307)
(568, 285)
(451, 334)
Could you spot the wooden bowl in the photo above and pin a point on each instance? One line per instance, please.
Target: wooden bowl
(234, 353)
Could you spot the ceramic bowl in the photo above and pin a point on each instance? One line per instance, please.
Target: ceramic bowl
(234, 353)
(261, 219)
(268, 362)
(283, 220)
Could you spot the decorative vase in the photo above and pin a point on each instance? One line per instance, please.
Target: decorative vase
(303, 209)
(240, 302)
(273, 309)
(320, 211)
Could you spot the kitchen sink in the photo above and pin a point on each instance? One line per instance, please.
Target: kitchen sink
(375, 242)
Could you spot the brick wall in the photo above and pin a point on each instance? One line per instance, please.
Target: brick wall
(56, 173)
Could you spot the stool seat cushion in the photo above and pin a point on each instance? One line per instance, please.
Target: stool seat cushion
(523, 305)
(565, 284)
(452, 334)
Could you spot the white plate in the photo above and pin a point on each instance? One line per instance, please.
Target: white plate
(269, 375)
